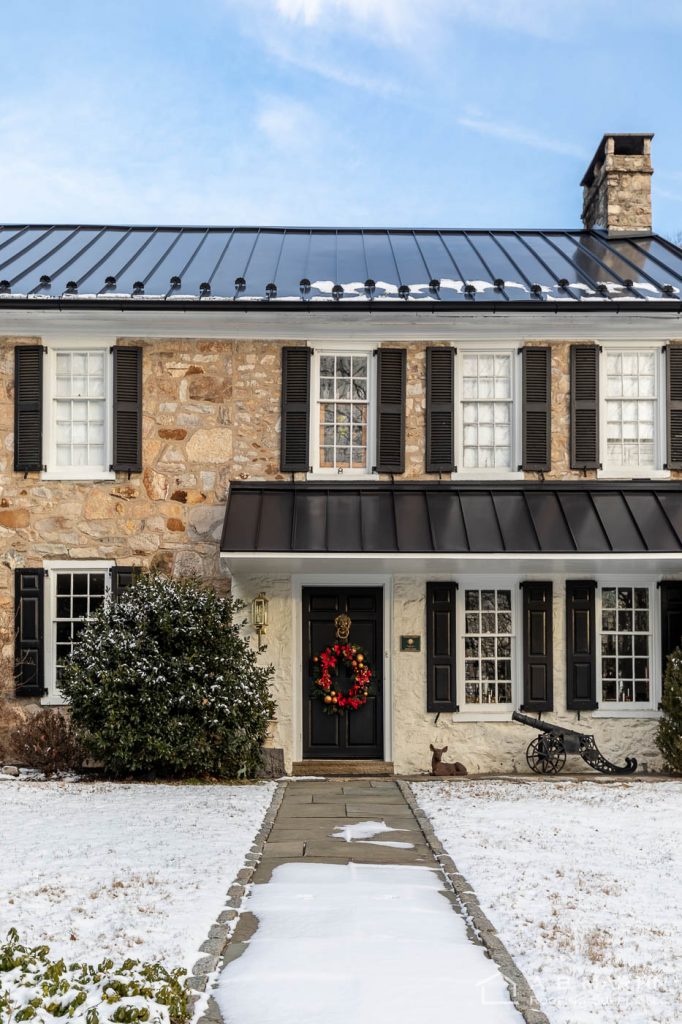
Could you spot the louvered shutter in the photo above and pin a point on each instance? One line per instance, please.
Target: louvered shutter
(441, 675)
(674, 411)
(537, 410)
(581, 652)
(537, 647)
(29, 660)
(28, 408)
(122, 576)
(671, 618)
(584, 406)
(440, 410)
(391, 368)
(127, 410)
(295, 457)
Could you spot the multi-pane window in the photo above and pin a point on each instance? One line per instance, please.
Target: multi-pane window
(343, 399)
(625, 645)
(80, 410)
(631, 388)
(487, 646)
(77, 595)
(487, 410)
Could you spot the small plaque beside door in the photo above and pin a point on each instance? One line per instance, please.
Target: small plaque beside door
(410, 643)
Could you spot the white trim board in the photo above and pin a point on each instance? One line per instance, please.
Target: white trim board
(348, 563)
(307, 325)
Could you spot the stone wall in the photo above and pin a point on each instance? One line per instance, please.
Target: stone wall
(211, 413)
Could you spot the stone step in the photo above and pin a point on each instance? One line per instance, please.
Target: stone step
(342, 768)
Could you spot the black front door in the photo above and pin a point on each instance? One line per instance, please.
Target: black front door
(355, 734)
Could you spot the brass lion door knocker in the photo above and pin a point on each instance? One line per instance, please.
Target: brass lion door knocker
(342, 624)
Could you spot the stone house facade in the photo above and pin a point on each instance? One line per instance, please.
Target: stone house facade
(481, 470)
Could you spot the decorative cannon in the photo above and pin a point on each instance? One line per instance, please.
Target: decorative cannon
(546, 754)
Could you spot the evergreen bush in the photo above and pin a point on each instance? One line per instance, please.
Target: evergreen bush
(162, 683)
(669, 735)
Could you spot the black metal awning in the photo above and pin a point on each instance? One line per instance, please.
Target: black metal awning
(589, 518)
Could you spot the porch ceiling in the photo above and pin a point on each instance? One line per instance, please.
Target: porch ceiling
(454, 525)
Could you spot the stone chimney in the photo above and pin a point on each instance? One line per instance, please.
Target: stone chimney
(617, 186)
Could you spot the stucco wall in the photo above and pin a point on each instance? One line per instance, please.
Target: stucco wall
(492, 746)
(482, 746)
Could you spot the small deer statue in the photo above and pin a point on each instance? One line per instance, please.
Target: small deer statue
(439, 766)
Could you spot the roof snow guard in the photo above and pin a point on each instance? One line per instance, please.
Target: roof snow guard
(582, 517)
(327, 267)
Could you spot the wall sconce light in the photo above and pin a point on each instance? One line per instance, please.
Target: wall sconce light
(259, 616)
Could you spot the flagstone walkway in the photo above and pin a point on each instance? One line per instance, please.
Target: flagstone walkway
(350, 917)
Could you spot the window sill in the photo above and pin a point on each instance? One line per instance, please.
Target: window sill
(488, 474)
(69, 475)
(483, 716)
(318, 474)
(622, 474)
(626, 713)
(53, 701)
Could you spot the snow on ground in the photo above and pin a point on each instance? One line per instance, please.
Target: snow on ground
(582, 881)
(99, 869)
(361, 943)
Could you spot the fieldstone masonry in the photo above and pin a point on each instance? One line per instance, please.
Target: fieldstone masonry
(212, 414)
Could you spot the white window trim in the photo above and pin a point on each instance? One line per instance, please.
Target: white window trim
(634, 473)
(503, 713)
(53, 697)
(54, 472)
(611, 709)
(341, 349)
(514, 473)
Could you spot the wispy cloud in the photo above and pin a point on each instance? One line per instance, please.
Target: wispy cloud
(522, 136)
(326, 67)
(401, 21)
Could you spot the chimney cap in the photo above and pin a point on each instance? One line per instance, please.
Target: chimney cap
(626, 143)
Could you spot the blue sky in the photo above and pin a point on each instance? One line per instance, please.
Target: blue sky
(450, 113)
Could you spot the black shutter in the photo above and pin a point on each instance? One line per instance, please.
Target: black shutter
(537, 408)
(441, 676)
(29, 659)
(581, 652)
(391, 410)
(674, 409)
(121, 577)
(537, 646)
(295, 457)
(584, 407)
(28, 408)
(671, 618)
(127, 409)
(440, 410)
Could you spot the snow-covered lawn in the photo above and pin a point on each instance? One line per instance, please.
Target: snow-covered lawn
(582, 881)
(98, 869)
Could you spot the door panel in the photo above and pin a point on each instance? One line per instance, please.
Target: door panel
(356, 734)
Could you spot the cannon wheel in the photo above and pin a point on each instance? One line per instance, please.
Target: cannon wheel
(546, 755)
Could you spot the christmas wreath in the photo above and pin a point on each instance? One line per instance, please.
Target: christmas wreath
(325, 666)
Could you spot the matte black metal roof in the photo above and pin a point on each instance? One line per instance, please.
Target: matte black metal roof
(583, 517)
(327, 267)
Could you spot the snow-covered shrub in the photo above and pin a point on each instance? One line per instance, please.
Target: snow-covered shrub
(46, 740)
(35, 988)
(669, 735)
(163, 682)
